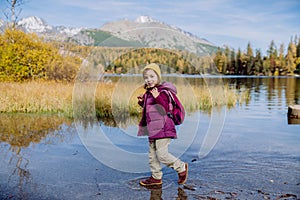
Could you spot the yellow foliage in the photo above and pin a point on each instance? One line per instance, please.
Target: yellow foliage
(25, 56)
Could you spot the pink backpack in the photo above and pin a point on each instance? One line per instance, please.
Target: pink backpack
(177, 112)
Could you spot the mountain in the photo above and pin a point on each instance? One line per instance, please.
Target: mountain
(142, 32)
(153, 33)
(34, 24)
(40, 26)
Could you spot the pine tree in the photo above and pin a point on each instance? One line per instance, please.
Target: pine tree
(272, 55)
(227, 61)
(249, 59)
(258, 64)
(234, 63)
(239, 62)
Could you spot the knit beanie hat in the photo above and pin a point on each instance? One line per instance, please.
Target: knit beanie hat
(155, 68)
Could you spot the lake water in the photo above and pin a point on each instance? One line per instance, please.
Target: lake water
(250, 151)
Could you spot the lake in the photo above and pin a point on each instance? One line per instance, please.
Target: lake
(249, 151)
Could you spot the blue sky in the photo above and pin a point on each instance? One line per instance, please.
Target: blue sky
(231, 22)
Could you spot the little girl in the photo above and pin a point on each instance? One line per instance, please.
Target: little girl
(159, 127)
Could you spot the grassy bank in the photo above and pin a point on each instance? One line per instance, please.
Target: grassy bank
(118, 100)
(36, 97)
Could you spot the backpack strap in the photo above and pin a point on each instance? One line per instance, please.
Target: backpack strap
(171, 101)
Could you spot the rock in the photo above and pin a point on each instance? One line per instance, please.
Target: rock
(294, 111)
(189, 187)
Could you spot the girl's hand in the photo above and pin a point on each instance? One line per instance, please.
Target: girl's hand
(140, 97)
(154, 92)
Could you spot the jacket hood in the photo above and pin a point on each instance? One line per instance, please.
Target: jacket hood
(168, 86)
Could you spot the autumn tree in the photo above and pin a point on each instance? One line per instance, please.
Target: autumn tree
(291, 58)
(281, 62)
(218, 60)
(23, 56)
(27, 57)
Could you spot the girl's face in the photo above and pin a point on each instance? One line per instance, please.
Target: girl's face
(150, 77)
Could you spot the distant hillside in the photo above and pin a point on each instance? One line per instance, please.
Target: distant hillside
(102, 38)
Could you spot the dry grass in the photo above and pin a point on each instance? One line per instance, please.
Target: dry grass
(36, 97)
(205, 98)
(107, 100)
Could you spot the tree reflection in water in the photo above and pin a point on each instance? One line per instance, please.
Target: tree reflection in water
(20, 131)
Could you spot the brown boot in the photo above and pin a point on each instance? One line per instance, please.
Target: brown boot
(182, 177)
(150, 182)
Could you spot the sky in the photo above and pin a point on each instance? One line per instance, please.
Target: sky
(222, 22)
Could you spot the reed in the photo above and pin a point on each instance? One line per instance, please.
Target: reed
(35, 97)
(118, 100)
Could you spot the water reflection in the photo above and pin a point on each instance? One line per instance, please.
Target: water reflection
(121, 122)
(293, 120)
(156, 194)
(278, 92)
(20, 131)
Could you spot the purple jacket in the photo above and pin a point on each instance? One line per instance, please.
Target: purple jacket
(155, 122)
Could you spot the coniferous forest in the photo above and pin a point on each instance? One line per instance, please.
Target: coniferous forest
(276, 62)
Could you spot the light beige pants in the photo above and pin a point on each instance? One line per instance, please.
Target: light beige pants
(159, 153)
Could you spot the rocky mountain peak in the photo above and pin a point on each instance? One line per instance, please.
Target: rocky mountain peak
(37, 25)
(34, 24)
(144, 19)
